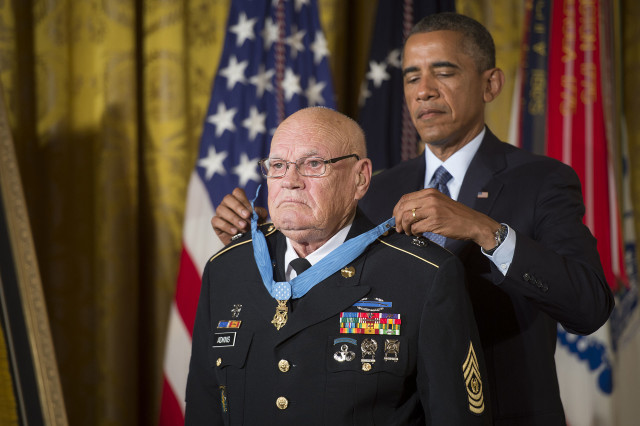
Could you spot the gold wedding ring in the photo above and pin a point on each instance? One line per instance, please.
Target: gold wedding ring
(413, 213)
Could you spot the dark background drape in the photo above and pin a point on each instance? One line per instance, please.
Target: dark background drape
(106, 101)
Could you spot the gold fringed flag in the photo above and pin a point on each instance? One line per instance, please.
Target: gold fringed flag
(565, 111)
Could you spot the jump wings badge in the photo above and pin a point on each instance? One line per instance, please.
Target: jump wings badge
(280, 318)
(344, 354)
(473, 382)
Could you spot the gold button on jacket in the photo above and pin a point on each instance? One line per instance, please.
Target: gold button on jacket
(282, 403)
(283, 365)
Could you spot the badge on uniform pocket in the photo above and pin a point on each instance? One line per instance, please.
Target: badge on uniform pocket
(344, 354)
(391, 349)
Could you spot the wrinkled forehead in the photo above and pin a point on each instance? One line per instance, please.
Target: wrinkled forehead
(303, 140)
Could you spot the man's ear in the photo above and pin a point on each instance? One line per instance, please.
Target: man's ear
(494, 80)
(363, 177)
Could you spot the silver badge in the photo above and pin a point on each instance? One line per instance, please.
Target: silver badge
(391, 349)
(369, 348)
(419, 241)
(344, 354)
(235, 311)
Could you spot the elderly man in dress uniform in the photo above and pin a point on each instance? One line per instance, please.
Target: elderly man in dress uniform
(324, 318)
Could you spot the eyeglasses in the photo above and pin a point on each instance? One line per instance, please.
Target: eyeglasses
(306, 166)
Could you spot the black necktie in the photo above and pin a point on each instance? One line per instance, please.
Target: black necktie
(300, 265)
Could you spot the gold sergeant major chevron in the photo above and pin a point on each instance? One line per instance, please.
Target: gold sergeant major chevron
(473, 382)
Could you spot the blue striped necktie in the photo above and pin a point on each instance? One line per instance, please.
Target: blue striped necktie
(439, 181)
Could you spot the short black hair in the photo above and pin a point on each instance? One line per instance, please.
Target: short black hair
(478, 42)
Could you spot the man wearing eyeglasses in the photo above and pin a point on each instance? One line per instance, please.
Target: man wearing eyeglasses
(377, 330)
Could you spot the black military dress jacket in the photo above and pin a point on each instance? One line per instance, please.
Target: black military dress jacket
(419, 363)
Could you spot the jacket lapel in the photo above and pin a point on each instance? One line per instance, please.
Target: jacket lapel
(415, 175)
(480, 189)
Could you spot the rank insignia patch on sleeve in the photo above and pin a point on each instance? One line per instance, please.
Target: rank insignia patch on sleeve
(473, 382)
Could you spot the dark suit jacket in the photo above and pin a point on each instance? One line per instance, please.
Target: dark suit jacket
(234, 376)
(556, 273)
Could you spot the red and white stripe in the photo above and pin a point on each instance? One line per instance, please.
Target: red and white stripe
(198, 244)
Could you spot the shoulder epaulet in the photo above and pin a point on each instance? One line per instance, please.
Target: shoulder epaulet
(416, 246)
(267, 228)
(241, 239)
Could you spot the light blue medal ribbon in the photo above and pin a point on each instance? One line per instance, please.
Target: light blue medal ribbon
(301, 284)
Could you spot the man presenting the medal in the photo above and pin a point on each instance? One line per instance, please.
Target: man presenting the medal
(323, 317)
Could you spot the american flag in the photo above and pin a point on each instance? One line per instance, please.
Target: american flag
(274, 62)
(391, 136)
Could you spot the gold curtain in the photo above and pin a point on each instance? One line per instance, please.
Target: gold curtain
(8, 409)
(504, 20)
(630, 34)
(83, 191)
(181, 41)
(106, 101)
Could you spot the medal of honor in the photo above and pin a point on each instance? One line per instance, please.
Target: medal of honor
(280, 318)
(301, 284)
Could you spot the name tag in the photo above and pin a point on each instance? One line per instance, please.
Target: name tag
(224, 339)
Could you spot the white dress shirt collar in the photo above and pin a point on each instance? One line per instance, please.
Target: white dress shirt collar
(456, 165)
(317, 255)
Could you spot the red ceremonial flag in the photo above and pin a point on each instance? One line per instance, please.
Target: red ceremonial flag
(576, 132)
(566, 105)
(577, 135)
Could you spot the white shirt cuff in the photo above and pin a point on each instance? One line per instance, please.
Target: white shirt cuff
(503, 256)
